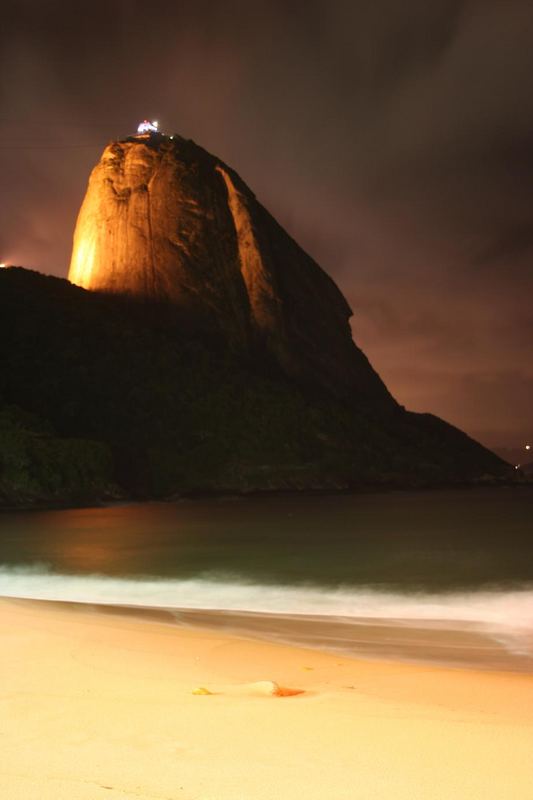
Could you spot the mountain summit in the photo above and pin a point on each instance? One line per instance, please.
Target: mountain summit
(166, 220)
(210, 354)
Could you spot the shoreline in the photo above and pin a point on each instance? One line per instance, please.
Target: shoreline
(103, 705)
(207, 494)
(431, 643)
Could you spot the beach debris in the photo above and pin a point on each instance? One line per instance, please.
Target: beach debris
(308, 669)
(268, 688)
(285, 691)
(261, 688)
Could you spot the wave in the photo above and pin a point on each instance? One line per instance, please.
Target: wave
(498, 611)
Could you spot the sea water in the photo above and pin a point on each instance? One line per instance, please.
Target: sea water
(441, 576)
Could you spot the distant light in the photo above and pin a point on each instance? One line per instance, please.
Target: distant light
(148, 127)
(517, 466)
(3, 266)
(528, 447)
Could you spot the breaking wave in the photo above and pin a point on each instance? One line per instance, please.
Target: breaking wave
(505, 614)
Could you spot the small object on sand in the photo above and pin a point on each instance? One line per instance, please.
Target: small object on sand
(308, 669)
(284, 691)
(268, 688)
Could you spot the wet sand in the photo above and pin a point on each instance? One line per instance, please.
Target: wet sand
(432, 642)
(102, 705)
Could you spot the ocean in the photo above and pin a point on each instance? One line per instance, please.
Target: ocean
(439, 576)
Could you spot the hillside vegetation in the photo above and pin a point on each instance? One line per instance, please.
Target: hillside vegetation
(99, 391)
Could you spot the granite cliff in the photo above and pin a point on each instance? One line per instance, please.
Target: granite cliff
(165, 220)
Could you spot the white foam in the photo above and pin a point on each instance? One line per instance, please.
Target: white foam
(508, 615)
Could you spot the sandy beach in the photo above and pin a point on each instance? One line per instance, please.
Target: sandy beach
(102, 705)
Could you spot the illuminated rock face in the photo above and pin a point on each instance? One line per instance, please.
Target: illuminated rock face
(164, 219)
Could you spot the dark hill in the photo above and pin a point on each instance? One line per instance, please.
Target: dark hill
(99, 389)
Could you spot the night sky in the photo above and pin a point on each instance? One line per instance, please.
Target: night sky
(393, 140)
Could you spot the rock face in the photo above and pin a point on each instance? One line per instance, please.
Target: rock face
(164, 219)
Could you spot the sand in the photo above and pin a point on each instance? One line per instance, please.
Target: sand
(102, 706)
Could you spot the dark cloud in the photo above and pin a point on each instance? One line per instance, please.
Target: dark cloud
(513, 242)
(394, 140)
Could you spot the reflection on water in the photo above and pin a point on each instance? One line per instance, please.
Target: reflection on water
(435, 541)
